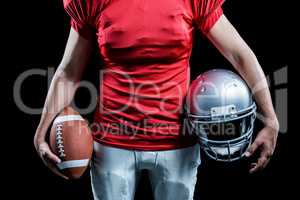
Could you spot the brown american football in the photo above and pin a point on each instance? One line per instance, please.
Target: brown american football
(71, 140)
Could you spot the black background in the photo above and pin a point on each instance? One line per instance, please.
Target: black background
(36, 38)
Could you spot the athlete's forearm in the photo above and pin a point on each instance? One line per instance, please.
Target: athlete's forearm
(65, 81)
(246, 63)
(60, 94)
(224, 36)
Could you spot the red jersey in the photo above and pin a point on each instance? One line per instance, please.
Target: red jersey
(146, 47)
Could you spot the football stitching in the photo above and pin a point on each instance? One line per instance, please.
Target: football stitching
(59, 141)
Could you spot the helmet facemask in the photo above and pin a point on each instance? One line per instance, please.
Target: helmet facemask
(225, 137)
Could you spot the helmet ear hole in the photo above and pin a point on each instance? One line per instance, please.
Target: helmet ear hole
(222, 115)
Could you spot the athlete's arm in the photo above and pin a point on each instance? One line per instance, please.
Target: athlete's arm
(224, 36)
(61, 92)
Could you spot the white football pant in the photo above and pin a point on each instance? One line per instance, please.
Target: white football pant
(115, 172)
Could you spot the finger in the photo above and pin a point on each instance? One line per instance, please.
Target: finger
(250, 151)
(53, 168)
(263, 160)
(261, 163)
(253, 168)
(52, 157)
(266, 163)
(58, 173)
(266, 155)
(45, 151)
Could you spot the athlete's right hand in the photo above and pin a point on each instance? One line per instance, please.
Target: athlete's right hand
(48, 157)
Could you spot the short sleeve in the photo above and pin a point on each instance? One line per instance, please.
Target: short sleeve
(83, 15)
(207, 13)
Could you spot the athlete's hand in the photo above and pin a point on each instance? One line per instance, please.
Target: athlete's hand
(48, 157)
(265, 143)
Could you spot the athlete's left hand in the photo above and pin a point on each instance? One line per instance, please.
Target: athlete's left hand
(265, 142)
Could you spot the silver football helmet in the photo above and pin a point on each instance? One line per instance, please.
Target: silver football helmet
(220, 110)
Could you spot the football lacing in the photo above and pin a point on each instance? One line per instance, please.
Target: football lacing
(59, 141)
